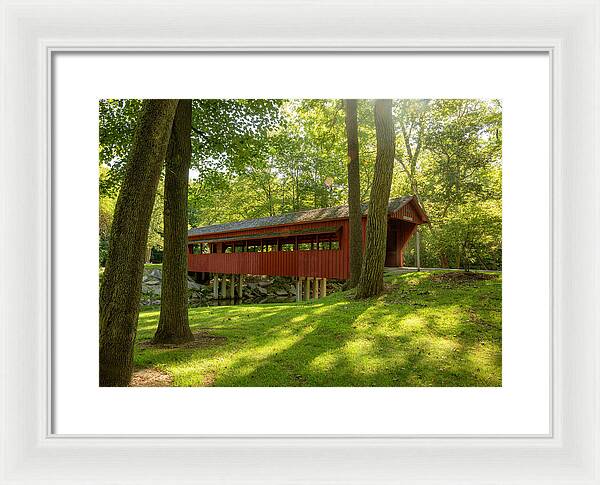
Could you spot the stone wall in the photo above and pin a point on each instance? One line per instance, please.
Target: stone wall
(257, 289)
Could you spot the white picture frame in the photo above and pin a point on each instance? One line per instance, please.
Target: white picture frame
(33, 31)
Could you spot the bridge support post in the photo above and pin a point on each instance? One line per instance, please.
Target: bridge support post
(241, 287)
(223, 286)
(317, 282)
(323, 287)
(299, 289)
(232, 287)
(307, 289)
(215, 285)
(418, 244)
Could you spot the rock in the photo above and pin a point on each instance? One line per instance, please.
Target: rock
(262, 291)
(151, 290)
(281, 293)
(156, 273)
(264, 284)
(192, 285)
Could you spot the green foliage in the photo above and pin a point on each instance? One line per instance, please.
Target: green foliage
(450, 157)
(229, 134)
(306, 148)
(424, 332)
(156, 229)
(107, 209)
(117, 123)
(471, 235)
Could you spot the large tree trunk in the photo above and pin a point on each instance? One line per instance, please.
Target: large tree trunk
(122, 283)
(371, 277)
(356, 254)
(173, 324)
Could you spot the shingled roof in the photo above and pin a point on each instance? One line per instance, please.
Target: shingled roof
(339, 212)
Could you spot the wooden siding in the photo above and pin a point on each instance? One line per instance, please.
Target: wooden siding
(312, 263)
(299, 263)
(407, 213)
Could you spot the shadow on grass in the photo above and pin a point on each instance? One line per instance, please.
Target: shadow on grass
(421, 333)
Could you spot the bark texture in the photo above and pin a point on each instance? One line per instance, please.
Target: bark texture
(122, 281)
(173, 324)
(371, 277)
(356, 254)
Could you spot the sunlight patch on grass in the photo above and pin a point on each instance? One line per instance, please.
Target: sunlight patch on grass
(359, 346)
(323, 362)
(413, 321)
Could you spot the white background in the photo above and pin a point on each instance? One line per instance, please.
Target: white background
(520, 406)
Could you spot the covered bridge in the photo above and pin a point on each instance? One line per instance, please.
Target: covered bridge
(311, 244)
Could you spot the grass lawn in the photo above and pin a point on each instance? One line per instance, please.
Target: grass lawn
(428, 329)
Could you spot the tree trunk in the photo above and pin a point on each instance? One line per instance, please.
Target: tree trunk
(122, 283)
(355, 225)
(173, 324)
(371, 277)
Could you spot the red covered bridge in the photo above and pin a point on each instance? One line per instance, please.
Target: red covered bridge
(312, 244)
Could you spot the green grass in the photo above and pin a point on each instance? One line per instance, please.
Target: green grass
(151, 266)
(421, 332)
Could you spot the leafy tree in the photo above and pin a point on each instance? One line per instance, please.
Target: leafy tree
(412, 122)
(371, 277)
(173, 323)
(122, 282)
(118, 118)
(464, 156)
(354, 209)
(449, 155)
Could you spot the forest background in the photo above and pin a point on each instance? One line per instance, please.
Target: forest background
(254, 158)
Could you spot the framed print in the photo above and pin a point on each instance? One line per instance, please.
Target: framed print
(474, 358)
(475, 363)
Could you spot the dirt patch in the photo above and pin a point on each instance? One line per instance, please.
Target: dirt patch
(461, 277)
(150, 377)
(202, 339)
(209, 379)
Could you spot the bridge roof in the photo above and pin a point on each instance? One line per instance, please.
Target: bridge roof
(328, 213)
